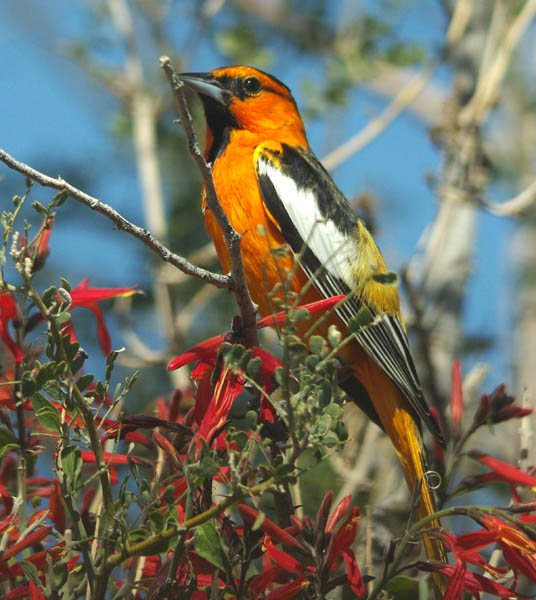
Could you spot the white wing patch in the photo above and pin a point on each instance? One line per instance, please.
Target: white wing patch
(336, 251)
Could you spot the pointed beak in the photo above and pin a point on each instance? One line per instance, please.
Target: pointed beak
(206, 85)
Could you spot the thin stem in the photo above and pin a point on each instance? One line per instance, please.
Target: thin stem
(148, 545)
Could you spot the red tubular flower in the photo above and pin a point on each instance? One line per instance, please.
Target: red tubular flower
(338, 513)
(87, 297)
(497, 407)
(507, 472)
(22, 591)
(88, 456)
(38, 559)
(456, 398)
(56, 510)
(465, 549)
(249, 515)
(35, 592)
(312, 307)
(355, 579)
(283, 559)
(8, 313)
(266, 578)
(472, 582)
(31, 539)
(289, 590)
(518, 550)
(39, 248)
(342, 539)
(7, 500)
(227, 389)
(166, 446)
(205, 352)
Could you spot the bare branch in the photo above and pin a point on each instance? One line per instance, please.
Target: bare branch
(232, 238)
(516, 205)
(144, 235)
(403, 98)
(491, 80)
(374, 127)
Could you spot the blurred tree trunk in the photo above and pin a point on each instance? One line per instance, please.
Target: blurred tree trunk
(480, 60)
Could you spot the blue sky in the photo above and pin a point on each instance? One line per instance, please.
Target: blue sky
(53, 116)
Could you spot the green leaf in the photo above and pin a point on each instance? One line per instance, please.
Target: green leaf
(280, 375)
(7, 440)
(258, 521)
(241, 439)
(110, 362)
(403, 588)
(71, 349)
(45, 374)
(50, 296)
(316, 344)
(65, 285)
(252, 419)
(284, 470)
(341, 431)
(60, 574)
(28, 384)
(233, 355)
(298, 315)
(84, 381)
(254, 366)
(362, 319)
(59, 199)
(297, 347)
(324, 393)
(55, 392)
(65, 317)
(208, 467)
(30, 571)
(156, 517)
(239, 406)
(71, 460)
(334, 336)
(38, 207)
(311, 362)
(77, 364)
(208, 545)
(137, 535)
(330, 441)
(335, 411)
(46, 413)
(167, 495)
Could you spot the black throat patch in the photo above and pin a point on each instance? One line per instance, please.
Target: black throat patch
(220, 121)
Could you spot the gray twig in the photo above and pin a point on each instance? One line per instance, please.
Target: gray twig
(232, 238)
(144, 235)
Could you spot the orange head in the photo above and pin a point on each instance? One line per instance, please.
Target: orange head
(245, 100)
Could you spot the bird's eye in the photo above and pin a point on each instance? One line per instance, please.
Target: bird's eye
(252, 85)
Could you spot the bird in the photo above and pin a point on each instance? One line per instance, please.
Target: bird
(276, 194)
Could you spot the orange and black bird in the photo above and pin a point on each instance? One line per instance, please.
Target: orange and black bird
(276, 193)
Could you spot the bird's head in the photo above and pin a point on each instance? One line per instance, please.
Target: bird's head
(247, 99)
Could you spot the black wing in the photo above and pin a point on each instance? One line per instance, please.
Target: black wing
(317, 221)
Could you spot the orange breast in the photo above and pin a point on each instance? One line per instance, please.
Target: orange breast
(264, 261)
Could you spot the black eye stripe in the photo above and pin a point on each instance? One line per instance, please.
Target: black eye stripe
(236, 86)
